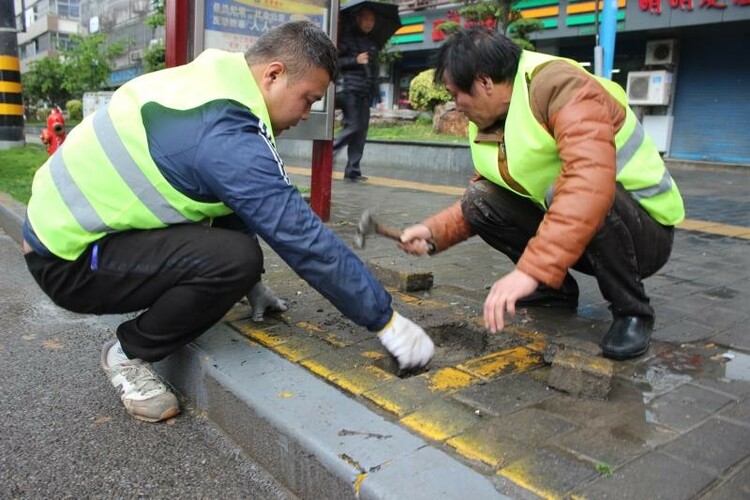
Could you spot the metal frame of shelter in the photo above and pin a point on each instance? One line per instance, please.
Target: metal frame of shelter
(195, 25)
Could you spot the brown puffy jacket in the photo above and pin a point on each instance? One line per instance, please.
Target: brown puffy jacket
(583, 118)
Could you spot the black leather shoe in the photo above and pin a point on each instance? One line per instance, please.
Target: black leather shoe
(544, 296)
(628, 337)
(359, 178)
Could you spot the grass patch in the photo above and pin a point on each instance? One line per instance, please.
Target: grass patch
(411, 132)
(18, 168)
(604, 469)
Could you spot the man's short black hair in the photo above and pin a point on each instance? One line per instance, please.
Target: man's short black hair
(476, 52)
(300, 45)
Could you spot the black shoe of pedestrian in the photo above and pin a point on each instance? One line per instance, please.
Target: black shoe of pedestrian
(628, 337)
(359, 178)
(544, 296)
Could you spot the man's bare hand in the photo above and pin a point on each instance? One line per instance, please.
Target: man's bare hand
(415, 240)
(503, 296)
(363, 58)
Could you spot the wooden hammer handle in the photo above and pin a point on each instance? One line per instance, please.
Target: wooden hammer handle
(388, 232)
(395, 234)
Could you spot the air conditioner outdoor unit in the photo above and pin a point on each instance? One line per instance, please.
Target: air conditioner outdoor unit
(136, 55)
(660, 52)
(649, 88)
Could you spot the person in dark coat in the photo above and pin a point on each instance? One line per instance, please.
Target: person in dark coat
(357, 89)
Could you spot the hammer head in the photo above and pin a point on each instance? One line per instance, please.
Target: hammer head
(365, 226)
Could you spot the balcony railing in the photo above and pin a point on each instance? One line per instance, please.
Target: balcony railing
(423, 4)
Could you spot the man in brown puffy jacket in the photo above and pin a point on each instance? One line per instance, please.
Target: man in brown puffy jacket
(566, 179)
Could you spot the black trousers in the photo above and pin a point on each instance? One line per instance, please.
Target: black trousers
(186, 278)
(630, 245)
(356, 109)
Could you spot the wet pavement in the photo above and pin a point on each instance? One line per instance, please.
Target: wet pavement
(675, 422)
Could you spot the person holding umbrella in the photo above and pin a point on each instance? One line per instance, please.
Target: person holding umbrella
(366, 26)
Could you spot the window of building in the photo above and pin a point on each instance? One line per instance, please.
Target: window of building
(62, 41)
(69, 8)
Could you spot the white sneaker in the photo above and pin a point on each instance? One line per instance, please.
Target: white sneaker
(141, 390)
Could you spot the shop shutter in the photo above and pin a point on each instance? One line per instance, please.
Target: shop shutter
(712, 100)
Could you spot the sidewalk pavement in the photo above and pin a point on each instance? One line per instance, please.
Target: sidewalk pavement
(320, 405)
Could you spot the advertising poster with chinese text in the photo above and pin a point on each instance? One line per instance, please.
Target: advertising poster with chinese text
(234, 24)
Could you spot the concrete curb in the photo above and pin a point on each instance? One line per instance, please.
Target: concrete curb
(312, 438)
(316, 441)
(12, 215)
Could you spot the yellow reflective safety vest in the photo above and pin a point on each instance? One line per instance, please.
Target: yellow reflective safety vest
(103, 179)
(534, 162)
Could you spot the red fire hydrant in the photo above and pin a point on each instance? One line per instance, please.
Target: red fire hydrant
(54, 135)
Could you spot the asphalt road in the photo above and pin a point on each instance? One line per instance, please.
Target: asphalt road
(63, 430)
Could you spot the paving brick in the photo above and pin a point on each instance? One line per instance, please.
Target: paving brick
(740, 411)
(737, 388)
(400, 275)
(624, 414)
(717, 444)
(686, 406)
(333, 362)
(682, 330)
(612, 446)
(736, 486)
(441, 419)
(735, 337)
(653, 476)
(581, 374)
(558, 344)
(532, 473)
(402, 396)
(516, 360)
(294, 346)
(491, 444)
(505, 395)
(531, 425)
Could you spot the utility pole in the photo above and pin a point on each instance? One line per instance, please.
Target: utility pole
(607, 33)
(11, 102)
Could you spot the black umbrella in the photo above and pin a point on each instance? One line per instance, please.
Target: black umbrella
(387, 21)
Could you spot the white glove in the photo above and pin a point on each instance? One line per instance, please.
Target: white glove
(261, 299)
(407, 341)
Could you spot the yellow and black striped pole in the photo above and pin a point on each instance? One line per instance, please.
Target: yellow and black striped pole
(11, 103)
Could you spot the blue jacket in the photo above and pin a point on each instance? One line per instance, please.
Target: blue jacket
(218, 153)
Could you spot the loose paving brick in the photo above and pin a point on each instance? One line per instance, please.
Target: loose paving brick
(581, 374)
(558, 344)
(401, 275)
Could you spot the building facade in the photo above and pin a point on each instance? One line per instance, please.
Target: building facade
(46, 27)
(684, 63)
(123, 21)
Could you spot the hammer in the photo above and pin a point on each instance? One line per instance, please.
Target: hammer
(368, 225)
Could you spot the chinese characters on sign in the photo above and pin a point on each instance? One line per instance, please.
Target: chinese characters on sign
(234, 24)
(654, 6)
